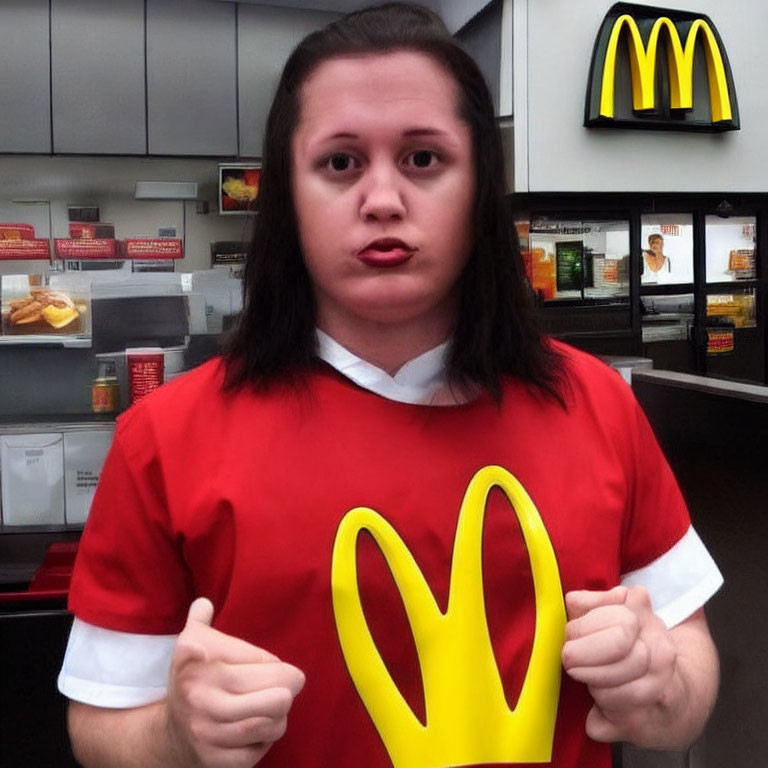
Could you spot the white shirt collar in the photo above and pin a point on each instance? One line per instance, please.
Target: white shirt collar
(418, 381)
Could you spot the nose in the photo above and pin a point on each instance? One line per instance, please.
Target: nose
(382, 194)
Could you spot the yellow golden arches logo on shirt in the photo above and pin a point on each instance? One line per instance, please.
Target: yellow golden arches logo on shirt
(663, 93)
(468, 720)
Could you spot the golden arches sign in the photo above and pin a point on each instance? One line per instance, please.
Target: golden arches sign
(684, 36)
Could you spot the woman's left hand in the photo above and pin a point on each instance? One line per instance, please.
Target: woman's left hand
(652, 686)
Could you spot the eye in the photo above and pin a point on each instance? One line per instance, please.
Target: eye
(340, 162)
(422, 158)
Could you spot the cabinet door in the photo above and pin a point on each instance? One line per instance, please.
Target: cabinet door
(25, 117)
(266, 37)
(191, 77)
(97, 70)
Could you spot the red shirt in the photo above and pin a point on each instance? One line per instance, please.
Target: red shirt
(238, 497)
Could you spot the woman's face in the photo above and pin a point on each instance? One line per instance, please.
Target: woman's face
(383, 187)
(657, 245)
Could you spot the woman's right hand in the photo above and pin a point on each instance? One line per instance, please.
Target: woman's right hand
(228, 700)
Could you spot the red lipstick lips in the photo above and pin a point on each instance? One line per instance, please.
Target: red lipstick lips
(385, 252)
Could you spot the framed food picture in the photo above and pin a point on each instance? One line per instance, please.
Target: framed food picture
(238, 187)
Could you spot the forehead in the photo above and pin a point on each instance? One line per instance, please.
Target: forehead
(401, 81)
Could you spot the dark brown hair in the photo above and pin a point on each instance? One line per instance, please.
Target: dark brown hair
(495, 332)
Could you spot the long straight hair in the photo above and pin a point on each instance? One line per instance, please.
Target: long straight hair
(496, 332)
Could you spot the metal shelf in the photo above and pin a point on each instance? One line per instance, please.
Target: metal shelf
(44, 340)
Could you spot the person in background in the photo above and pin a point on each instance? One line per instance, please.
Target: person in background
(654, 260)
(393, 524)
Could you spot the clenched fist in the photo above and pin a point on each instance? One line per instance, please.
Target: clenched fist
(623, 652)
(228, 700)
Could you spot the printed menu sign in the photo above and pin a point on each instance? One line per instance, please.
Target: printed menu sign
(84, 454)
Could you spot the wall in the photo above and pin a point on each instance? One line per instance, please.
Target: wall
(456, 13)
(714, 444)
(553, 151)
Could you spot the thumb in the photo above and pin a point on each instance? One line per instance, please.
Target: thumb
(192, 645)
(580, 602)
(200, 612)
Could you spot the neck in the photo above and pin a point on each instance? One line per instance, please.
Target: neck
(655, 260)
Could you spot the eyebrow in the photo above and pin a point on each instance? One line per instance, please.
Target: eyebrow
(407, 134)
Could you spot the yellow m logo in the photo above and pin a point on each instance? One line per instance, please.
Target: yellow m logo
(683, 34)
(468, 720)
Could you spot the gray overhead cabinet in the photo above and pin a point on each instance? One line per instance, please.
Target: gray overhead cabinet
(142, 77)
(25, 117)
(191, 77)
(266, 37)
(97, 58)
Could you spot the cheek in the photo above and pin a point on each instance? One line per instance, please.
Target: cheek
(314, 223)
(456, 220)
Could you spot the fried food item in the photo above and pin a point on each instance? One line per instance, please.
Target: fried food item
(54, 298)
(54, 308)
(30, 312)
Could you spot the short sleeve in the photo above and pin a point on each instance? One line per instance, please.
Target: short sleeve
(112, 669)
(660, 550)
(129, 573)
(657, 516)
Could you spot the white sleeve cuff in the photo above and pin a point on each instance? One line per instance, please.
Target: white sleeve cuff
(115, 669)
(680, 581)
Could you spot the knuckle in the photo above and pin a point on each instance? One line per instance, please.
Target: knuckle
(629, 630)
(640, 594)
(641, 656)
(276, 729)
(283, 701)
(194, 697)
(247, 730)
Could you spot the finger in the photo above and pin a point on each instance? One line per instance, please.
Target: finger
(230, 708)
(599, 728)
(191, 644)
(600, 619)
(631, 667)
(606, 645)
(257, 731)
(202, 641)
(639, 600)
(622, 701)
(580, 602)
(200, 612)
(247, 678)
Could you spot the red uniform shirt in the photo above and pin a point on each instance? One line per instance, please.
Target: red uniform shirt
(239, 497)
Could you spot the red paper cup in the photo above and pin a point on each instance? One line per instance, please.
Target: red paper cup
(145, 371)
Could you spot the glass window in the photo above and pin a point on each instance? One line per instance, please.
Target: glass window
(667, 318)
(736, 309)
(667, 247)
(579, 259)
(730, 248)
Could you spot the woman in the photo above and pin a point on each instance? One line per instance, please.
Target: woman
(336, 498)
(655, 263)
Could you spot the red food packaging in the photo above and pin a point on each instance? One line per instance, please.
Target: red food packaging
(17, 232)
(37, 248)
(153, 248)
(85, 248)
(145, 370)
